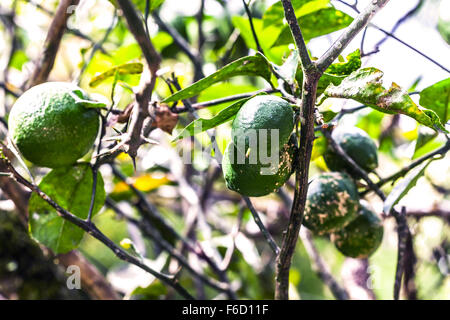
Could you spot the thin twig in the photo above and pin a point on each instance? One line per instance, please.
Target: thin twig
(399, 40)
(181, 43)
(252, 27)
(151, 233)
(358, 24)
(211, 103)
(321, 268)
(91, 229)
(402, 231)
(52, 41)
(409, 285)
(408, 15)
(273, 245)
(393, 177)
(297, 34)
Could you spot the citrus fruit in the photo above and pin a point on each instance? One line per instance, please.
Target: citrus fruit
(358, 146)
(263, 114)
(257, 179)
(51, 126)
(332, 203)
(361, 237)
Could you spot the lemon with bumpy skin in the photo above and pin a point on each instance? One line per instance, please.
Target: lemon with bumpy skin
(357, 145)
(259, 159)
(332, 203)
(361, 237)
(263, 114)
(257, 179)
(51, 125)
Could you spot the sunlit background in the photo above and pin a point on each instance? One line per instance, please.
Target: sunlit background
(399, 63)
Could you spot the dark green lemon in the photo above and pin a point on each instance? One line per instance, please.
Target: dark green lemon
(263, 114)
(255, 179)
(358, 146)
(51, 125)
(361, 237)
(332, 203)
(259, 159)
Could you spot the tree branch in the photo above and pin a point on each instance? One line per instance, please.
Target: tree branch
(273, 245)
(91, 229)
(297, 34)
(184, 46)
(321, 268)
(252, 27)
(301, 164)
(144, 227)
(134, 137)
(51, 45)
(393, 177)
(358, 24)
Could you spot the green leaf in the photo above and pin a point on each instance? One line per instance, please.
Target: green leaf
(141, 4)
(437, 98)
(444, 29)
(124, 69)
(289, 68)
(336, 72)
(18, 59)
(161, 40)
(346, 66)
(266, 37)
(403, 187)
(256, 65)
(275, 14)
(319, 147)
(201, 125)
(154, 291)
(71, 188)
(77, 95)
(328, 115)
(316, 24)
(425, 136)
(365, 86)
(430, 146)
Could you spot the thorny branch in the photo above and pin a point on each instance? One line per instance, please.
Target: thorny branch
(91, 229)
(51, 45)
(152, 234)
(312, 72)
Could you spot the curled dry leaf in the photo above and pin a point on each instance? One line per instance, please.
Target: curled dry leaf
(164, 119)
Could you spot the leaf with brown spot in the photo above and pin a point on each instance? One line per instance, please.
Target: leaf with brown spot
(365, 86)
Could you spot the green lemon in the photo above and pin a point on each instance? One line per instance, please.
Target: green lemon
(255, 179)
(361, 237)
(358, 146)
(254, 164)
(263, 114)
(332, 203)
(51, 124)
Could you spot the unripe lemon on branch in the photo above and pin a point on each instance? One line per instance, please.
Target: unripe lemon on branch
(259, 159)
(54, 124)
